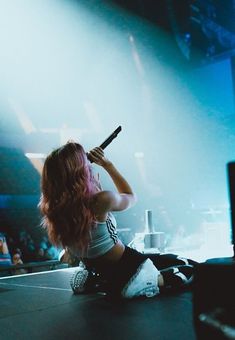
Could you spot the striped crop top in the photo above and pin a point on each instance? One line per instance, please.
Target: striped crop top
(103, 238)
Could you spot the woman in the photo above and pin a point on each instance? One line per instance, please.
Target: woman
(78, 216)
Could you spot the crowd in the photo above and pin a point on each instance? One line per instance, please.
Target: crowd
(23, 249)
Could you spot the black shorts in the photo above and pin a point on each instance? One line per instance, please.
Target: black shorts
(117, 275)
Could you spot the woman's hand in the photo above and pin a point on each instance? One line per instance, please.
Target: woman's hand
(97, 156)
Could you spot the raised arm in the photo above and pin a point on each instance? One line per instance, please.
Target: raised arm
(124, 198)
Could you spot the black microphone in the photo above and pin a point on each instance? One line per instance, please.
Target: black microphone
(108, 140)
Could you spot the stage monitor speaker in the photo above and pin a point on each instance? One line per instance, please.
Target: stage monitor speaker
(214, 299)
(231, 184)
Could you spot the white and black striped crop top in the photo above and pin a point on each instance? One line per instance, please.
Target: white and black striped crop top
(103, 237)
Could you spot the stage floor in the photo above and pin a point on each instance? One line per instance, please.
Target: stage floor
(42, 306)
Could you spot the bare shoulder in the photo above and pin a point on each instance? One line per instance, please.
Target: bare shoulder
(101, 204)
(102, 200)
(105, 201)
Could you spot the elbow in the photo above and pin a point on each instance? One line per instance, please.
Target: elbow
(134, 199)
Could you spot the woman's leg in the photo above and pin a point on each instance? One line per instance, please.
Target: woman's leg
(162, 261)
(175, 277)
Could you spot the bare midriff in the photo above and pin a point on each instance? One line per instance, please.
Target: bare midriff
(112, 256)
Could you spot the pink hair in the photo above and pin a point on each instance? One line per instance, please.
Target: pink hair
(67, 185)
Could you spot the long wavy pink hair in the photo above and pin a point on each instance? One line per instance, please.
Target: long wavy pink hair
(67, 185)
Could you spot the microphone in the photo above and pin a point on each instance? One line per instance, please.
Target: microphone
(108, 140)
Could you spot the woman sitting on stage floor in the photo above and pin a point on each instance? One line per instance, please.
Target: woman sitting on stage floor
(78, 217)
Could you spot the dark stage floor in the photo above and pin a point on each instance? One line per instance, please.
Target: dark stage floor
(42, 306)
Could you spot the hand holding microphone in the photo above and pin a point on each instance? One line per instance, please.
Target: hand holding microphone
(96, 155)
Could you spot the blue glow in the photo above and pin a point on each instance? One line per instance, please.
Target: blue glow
(79, 73)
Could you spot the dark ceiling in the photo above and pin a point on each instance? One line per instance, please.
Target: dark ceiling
(204, 29)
